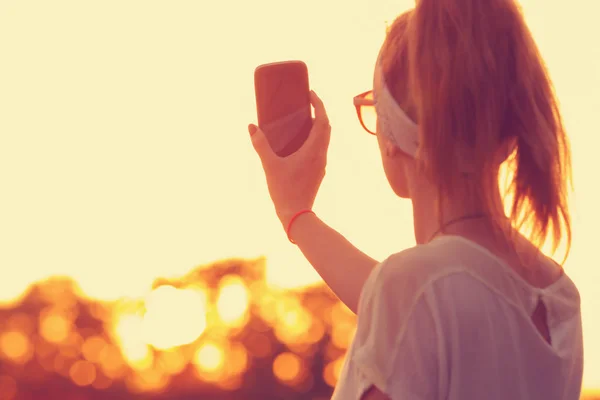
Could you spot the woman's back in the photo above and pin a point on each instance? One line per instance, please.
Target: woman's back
(451, 320)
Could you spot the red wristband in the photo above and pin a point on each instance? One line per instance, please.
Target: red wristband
(299, 213)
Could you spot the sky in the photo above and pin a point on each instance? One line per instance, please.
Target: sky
(124, 153)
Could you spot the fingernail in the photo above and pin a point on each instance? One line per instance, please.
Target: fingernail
(252, 129)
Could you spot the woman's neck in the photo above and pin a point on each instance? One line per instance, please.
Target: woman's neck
(459, 218)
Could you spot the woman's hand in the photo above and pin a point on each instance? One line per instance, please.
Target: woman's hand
(294, 181)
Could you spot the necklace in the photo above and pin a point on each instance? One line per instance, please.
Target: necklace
(453, 221)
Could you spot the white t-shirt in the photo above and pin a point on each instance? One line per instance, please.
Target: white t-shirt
(449, 320)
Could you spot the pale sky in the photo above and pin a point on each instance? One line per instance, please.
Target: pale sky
(124, 153)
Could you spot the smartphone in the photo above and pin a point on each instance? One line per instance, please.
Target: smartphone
(283, 104)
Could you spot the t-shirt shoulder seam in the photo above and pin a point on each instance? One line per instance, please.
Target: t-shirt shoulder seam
(418, 296)
(389, 367)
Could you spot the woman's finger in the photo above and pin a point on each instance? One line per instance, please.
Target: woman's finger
(321, 124)
(321, 117)
(261, 144)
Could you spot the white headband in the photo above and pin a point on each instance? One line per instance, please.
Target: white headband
(399, 128)
(392, 120)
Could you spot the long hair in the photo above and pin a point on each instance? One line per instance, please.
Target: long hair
(471, 75)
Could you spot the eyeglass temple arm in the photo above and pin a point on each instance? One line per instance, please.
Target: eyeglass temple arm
(361, 101)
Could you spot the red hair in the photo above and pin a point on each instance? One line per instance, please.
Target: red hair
(470, 74)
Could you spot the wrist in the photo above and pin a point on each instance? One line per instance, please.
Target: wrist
(293, 220)
(286, 216)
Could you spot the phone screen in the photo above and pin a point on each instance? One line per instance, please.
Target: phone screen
(283, 105)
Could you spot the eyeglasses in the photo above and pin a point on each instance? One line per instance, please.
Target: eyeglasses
(365, 109)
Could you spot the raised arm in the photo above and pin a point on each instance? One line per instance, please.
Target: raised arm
(341, 265)
(293, 183)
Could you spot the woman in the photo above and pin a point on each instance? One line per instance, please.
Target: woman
(474, 311)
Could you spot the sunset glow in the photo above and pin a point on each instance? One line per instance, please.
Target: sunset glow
(124, 157)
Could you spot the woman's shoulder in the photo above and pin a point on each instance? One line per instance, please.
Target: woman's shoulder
(402, 278)
(421, 264)
(426, 265)
(449, 265)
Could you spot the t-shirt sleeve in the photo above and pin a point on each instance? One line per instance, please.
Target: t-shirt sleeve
(398, 344)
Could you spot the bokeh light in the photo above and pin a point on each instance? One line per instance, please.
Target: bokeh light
(173, 317)
(83, 373)
(15, 346)
(232, 303)
(287, 367)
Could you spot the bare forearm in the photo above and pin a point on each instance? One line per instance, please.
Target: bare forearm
(341, 265)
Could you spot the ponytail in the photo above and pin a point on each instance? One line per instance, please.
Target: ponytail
(477, 82)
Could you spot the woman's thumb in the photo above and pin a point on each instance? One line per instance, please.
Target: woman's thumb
(259, 141)
(252, 129)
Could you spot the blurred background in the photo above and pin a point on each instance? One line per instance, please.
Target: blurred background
(139, 251)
